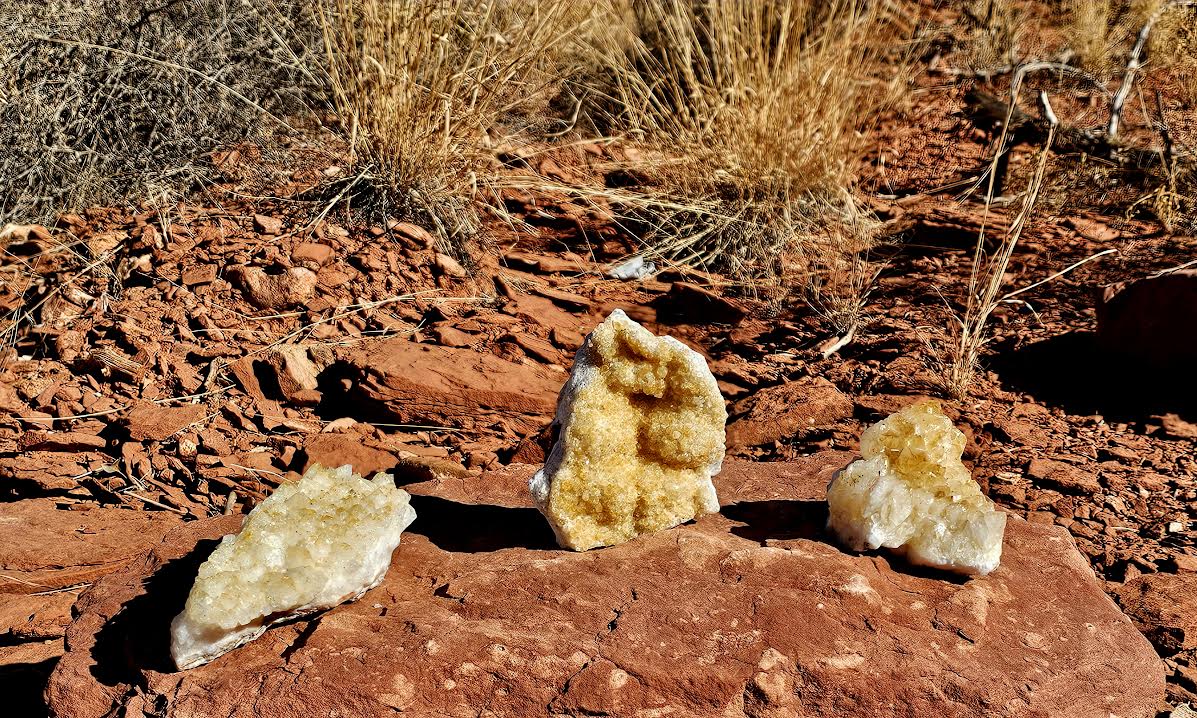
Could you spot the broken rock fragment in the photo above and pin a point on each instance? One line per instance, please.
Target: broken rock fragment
(274, 291)
(310, 546)
(911, 492)
(641, 434)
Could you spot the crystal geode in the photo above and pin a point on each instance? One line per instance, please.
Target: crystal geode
(309, 546)
(641, 434)
(911, 492)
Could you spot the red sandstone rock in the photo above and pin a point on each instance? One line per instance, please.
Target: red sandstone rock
(1062, 476)
(60, 441)
(32, 617)
(543, 263)
(274, 291)
(449, 266)
(334, 450)
(450, 336)
(50, 470)
(569, 300)
(297, 375)
(429, 384)
(416, 236)
(157, 423)
(268, 225)
(43, 547)
(793, 409)
(313, 255)
(1165, 607)
(750, 612)
(199, 274)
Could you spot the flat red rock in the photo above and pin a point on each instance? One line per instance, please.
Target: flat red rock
(793, 409)
(429, 384)
(157, 423)
(750, 612)
(43, 547)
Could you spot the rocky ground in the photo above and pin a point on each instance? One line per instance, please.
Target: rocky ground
(186, 359)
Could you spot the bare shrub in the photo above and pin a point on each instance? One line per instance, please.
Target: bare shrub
(748, 115)
(103, 101)
(422, 89)
(1102, 33)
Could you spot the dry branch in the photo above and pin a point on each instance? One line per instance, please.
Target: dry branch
(1135, 63)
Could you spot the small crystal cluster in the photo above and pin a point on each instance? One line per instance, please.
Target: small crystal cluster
(309, 546)
(641, 434)
(911, 492)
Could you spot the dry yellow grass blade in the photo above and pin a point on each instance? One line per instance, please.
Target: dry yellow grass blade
(750, 117)
(422, 87)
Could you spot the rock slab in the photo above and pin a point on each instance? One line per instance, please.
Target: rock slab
(1151, 320)
(749, 612)
(426, 384)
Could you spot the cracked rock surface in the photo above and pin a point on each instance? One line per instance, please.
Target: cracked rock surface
(749, 612)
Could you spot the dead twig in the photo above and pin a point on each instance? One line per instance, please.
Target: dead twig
(988, 273)
(151, 502)
(1058, 274)
(1135, 63)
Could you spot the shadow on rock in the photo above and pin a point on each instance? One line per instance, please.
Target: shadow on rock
(339, 397)
(898, 563)
(1071, 371)
(138, 638)
(22, 684)
(779, 519)
(474, 528)
(786, 519)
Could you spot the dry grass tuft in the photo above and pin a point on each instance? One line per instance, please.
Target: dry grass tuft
(748, 115)
(1172, 46)
(103, 101)
(1090, 25)
(424, 88)
(1102, 33)
(988, 272)
(839, 285)
(996, 30)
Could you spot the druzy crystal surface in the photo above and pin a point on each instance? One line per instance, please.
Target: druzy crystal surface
(912, 493)
(309, 546)
(641, 426)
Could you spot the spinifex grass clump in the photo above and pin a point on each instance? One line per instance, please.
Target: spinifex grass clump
(749, 112)
(420, 86)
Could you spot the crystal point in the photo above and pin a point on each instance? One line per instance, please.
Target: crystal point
(911, 492)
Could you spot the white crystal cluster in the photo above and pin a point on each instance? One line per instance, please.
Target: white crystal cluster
(641, 434)
(911, 492)
(309, 546)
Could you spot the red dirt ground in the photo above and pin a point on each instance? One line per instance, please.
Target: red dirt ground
(186, 360)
